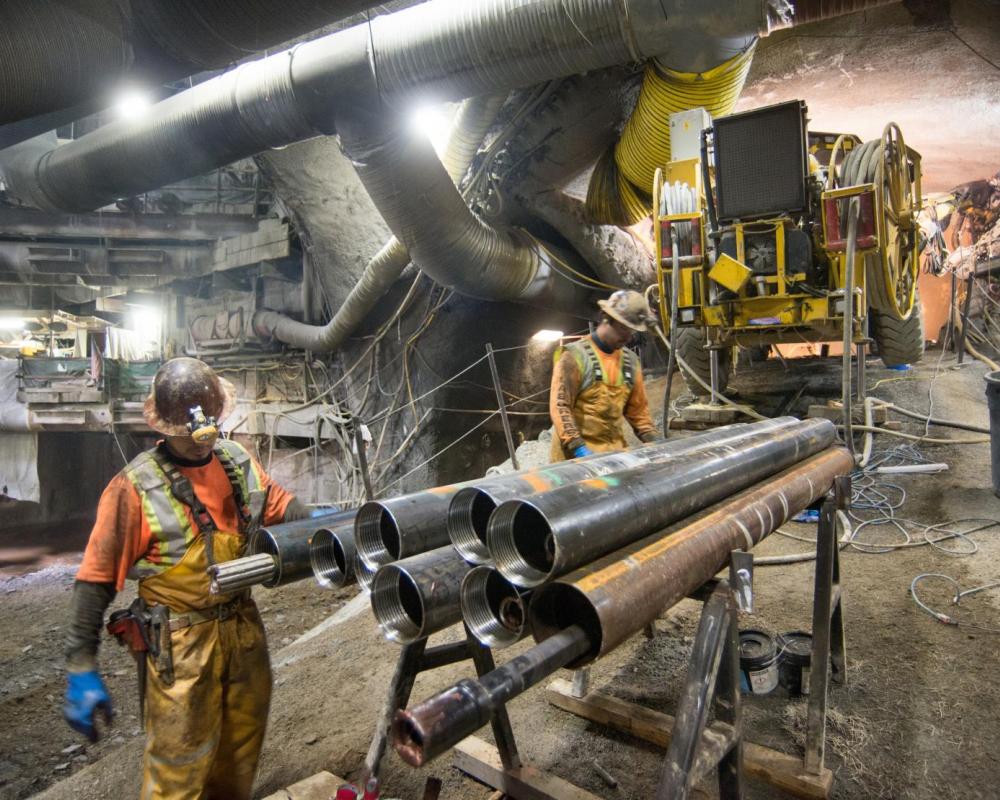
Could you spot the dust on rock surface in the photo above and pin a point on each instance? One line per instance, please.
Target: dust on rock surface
(913, 720)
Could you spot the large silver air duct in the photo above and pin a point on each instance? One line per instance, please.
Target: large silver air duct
(442, 49)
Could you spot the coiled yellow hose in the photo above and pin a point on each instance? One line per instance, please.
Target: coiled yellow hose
(619, 188)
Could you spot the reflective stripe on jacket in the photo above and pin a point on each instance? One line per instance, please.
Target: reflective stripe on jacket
(166, 515)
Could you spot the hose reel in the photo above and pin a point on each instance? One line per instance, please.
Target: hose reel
(894, 169)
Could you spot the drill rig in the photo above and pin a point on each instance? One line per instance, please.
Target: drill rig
(763, 229)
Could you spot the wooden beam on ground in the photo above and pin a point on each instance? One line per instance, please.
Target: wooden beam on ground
(482, 761)
(769, 766)
(321, 786)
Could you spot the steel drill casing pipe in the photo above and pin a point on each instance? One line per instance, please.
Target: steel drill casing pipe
(399, 527)
(332, 555)
(591, 612)
(404, 526)
(533, 541)
(471, 506)
(416, 596)
(422, 733)
(494, 609)
(288, 542)
(616, 596)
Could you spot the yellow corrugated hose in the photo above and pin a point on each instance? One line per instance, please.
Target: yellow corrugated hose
(619, 188)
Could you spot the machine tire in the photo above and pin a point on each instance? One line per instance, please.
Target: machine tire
(691, 347)
(899, 341)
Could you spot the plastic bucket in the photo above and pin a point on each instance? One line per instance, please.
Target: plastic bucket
(993, 400)
(795, 661)
(758, 662)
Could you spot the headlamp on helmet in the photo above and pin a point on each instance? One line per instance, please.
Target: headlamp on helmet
(203, 429)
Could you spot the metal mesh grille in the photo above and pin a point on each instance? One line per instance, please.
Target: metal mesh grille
(760, 162)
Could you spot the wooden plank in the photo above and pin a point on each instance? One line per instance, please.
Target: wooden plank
(769, 766)
(482, 761)
(321, 786)
(715, 415)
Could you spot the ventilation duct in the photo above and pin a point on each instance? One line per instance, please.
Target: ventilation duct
(447, 49)
(471, 122)
(623, 179)
(454, 246)
(59, 54)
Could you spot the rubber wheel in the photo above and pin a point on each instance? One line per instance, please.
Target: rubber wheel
(691, 348)
(899, 341)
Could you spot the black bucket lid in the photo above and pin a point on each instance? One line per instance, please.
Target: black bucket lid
(796, 647)
(757, 649)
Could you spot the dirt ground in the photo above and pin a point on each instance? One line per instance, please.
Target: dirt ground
(915, 720)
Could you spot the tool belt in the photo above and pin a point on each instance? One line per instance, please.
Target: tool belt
(145, 630)
(221, 612)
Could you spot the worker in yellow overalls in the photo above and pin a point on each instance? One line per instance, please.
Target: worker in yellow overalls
(597, 382)
(204, 668)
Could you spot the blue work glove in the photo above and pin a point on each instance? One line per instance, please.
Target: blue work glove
(85, 694)
(582, 451)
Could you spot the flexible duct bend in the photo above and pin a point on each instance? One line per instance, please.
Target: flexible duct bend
(424, 209)
(622, 181)
(471, 122)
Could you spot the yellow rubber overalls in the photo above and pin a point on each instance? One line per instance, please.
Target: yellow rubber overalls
(600, 406)
(204, 728)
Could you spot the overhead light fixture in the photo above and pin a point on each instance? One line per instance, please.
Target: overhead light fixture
(12, 324)
(434, 122)
(146, 321)
(132, 104)
(546, 335)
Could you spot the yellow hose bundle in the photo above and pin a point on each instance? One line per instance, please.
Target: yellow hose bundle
(619, 188)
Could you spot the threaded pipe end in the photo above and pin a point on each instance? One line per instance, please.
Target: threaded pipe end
(376, 535)
(520, 540)
(494, 609)
(329, 572)
(397, 605)
(468, 518)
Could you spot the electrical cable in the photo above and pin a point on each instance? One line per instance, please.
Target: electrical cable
(916, 438)
(959, 594)
(943, 423)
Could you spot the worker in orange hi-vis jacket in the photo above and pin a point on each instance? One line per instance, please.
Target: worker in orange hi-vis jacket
(205, 674)
(597, 382)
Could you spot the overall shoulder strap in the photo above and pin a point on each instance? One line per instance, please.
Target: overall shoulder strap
(630, 365)
(243, 477)
(589, 362)
(182, 489)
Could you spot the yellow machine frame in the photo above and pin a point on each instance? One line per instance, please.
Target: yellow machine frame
(787, 315)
